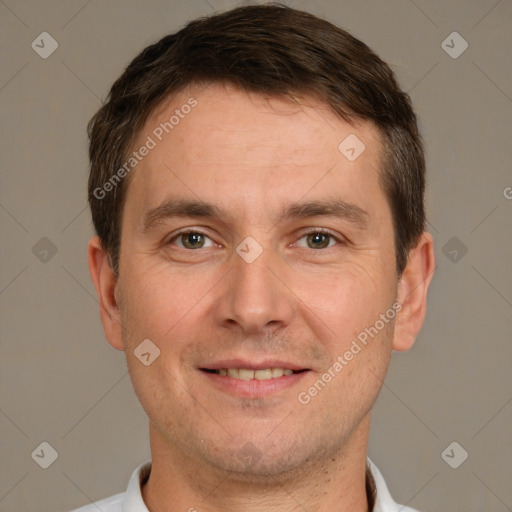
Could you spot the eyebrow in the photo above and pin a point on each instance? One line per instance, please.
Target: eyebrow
(303, 210)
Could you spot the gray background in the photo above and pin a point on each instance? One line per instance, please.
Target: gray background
(60, 380)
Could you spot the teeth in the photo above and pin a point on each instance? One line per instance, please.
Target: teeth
(263, 374)
(246, 374)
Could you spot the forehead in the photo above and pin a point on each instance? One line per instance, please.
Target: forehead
(218, 142)
(230, 116)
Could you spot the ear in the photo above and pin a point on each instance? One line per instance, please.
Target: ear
(105, 283)
(412, 292)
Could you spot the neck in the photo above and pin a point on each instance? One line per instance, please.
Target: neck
(340, 482)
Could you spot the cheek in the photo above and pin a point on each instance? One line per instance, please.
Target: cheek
(349, 298)
(160, 308)
(161, 390)
(160, 301)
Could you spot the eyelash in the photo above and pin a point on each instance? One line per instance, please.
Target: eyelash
(323, 231)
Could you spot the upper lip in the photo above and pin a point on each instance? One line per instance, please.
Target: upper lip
(252, 365)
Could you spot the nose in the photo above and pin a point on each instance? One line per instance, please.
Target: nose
(255, 297)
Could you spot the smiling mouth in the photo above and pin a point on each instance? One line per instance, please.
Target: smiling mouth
(248, 374)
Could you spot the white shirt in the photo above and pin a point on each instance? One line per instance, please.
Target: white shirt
(131, 500)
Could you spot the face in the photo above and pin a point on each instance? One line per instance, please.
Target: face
(253, 247)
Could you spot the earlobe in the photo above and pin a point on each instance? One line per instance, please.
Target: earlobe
(105, 283)
(412, 292)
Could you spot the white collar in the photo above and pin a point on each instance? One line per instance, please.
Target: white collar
(383, 501)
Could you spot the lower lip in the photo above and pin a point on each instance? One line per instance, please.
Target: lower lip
(254, 388)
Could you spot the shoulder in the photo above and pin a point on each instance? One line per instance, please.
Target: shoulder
(112, 504)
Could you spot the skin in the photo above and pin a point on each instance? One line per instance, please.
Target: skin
(252, 156)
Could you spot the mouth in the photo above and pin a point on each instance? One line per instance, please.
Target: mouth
(245, 379)
(249, 374)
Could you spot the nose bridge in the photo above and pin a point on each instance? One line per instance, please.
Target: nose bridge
(253, 297)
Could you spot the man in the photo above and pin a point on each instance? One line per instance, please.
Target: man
(257, 187)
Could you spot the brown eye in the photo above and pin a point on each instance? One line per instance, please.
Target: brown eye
(318, 240)
(190, 240)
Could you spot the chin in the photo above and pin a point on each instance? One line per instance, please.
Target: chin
(264, 463)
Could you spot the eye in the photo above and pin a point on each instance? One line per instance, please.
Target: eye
(320, 239)
(315, 239)
(191, 240)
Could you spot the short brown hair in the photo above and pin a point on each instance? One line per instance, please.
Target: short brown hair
(272, 50)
